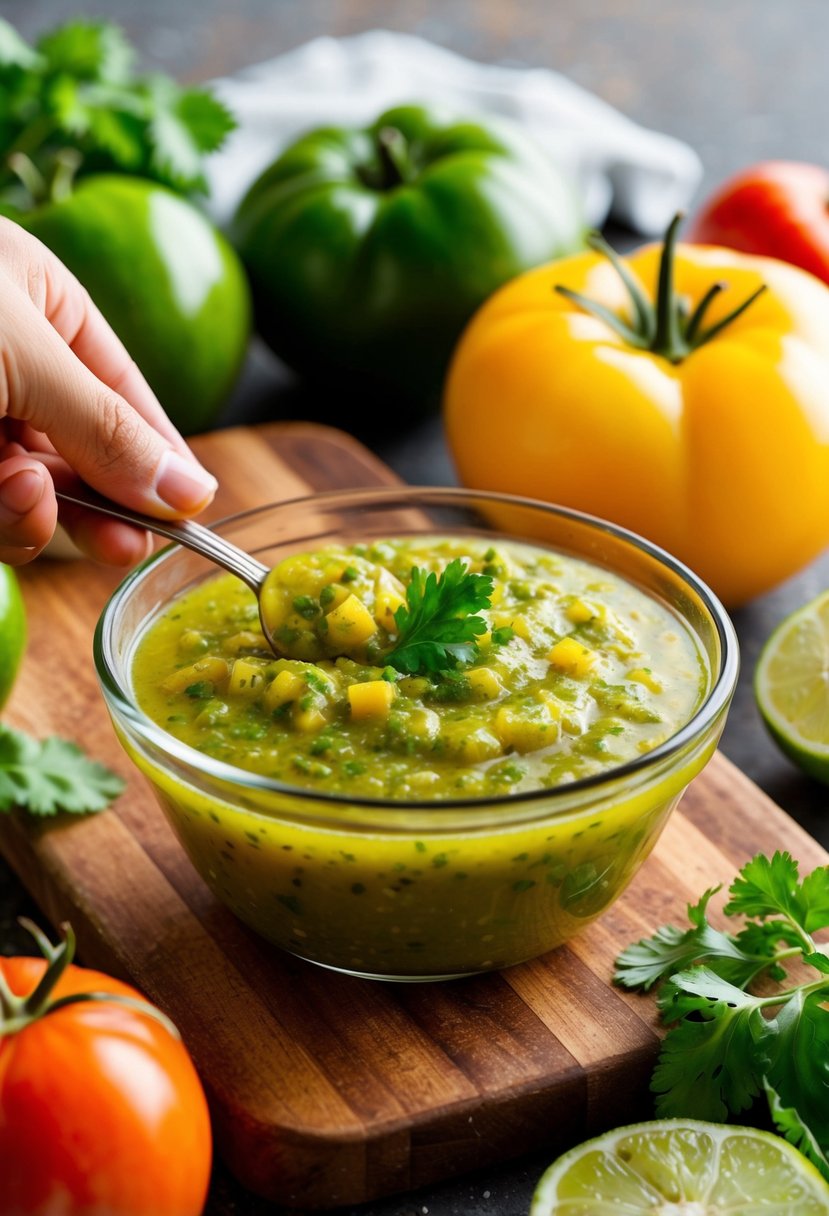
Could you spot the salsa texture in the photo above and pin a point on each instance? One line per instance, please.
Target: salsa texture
(577, 671)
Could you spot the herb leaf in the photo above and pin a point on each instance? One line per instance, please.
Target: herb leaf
(788, 1122)
(77, 89)
(726, 1045)
(44, 777)
(737, 959)
(437, 627)
(707, 1066)
(772, 887)
(798, 1059)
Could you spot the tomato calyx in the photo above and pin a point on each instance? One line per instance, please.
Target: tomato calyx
(18, 1012)
(667, 327)
(393, 165)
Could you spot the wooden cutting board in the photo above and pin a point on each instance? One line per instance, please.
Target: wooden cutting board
(328, 1090)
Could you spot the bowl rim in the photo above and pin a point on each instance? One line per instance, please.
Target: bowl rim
(706, 713)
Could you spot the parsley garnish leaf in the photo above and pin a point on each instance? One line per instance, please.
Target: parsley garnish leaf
(705, 1067)
(771, 887)
(656, 958)
(727, 1045)
(44, 777)
(788, 1122)
(798, 1064)
(437, 627)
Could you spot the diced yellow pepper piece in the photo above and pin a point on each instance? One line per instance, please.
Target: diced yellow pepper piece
(210, 669)
(246, 679)
(350, 623)
(389, 596)
(572, 658)
(471, 744)
(485, 683)
(642, 676)
(521, 629)
(308, 720)
(246, 640)
(521, 733)
(371, 700)
(286, 686)
(579, 612)
(553, 706)
(333, 594)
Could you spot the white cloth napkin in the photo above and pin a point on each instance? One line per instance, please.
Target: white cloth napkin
(639, 177)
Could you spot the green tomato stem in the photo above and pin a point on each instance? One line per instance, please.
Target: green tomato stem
(18, 1012)
(394, 158)
(667, 339)
(699, 312)
(667, 327)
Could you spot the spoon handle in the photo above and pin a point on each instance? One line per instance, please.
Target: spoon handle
(185, 532)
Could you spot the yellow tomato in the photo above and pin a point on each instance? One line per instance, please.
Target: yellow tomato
(709, 435)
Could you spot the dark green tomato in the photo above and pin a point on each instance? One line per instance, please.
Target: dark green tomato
(369, 250)
(169, 284)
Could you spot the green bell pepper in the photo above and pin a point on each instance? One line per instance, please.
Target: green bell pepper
(369, 250)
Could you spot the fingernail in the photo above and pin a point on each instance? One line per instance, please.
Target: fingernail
(182, 484)
(19, 494)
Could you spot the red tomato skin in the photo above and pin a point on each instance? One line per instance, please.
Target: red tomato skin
(101, 1110)
(778, 209)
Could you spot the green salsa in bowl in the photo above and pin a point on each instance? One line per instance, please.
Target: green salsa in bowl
(415, 818)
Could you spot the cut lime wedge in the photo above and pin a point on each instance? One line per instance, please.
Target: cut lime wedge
(681, 1167)
(791, 684)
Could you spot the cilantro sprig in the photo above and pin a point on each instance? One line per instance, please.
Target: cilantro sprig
(51, 775)
(76, 90)
(437, 627)
(731, 1041)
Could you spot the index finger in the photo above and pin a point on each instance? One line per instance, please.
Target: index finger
(70, 310)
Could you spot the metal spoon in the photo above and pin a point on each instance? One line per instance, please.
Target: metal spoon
(192, 535)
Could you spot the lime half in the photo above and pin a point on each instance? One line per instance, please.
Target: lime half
(680, 1167)
(791, 684)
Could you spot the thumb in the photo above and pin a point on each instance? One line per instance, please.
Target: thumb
(97, 432)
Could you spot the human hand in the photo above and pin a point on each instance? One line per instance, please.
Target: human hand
(73, 404)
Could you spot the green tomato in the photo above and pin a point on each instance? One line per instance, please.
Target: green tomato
(369, 250)
(169, 284)
(12, 630)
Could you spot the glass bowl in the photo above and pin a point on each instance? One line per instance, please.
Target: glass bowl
(416, 890)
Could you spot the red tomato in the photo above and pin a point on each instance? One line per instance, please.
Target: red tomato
(779, 209)
(101, 1110)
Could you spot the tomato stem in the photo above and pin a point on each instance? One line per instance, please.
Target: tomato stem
(667, 339)
(641, 303)
(390, 166)
(58, 959)
(668, 326)
(18, 1012)
(699, 312)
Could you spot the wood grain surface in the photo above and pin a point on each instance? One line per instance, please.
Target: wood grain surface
(328, 1090)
